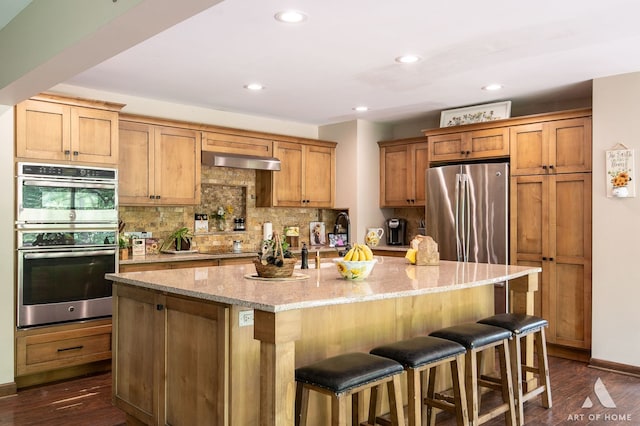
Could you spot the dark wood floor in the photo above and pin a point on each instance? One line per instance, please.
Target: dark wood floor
(87, 401)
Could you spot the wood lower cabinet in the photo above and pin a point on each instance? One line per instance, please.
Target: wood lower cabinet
(551, 147)
(551, 228)
(67, 130)
(469, 145)
(403, 165)
(159, 164)
(50, 353)
(171, 360)
(306, 177)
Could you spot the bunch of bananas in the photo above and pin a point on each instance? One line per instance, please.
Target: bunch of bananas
(359, 252)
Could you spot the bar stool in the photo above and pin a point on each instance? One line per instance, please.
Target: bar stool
(522, 325)
(345, 376)
(477, 338)
(421, 356)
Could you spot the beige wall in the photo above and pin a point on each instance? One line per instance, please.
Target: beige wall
(616, 225)
(6, 250)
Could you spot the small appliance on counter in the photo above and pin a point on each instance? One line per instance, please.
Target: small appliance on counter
(396, 232)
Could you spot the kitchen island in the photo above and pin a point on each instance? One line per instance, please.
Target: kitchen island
(185, 348)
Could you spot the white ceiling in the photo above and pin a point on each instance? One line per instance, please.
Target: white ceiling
(343, 56)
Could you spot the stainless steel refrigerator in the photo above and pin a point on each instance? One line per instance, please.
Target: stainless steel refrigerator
(467, 214)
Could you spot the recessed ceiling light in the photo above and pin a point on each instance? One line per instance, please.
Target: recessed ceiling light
(407, 59)
(290, 16)
(361, 108)
(494, 86)
(254, 86)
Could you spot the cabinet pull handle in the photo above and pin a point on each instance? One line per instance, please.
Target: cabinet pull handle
(72, 348)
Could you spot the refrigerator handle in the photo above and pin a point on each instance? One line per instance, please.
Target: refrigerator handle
(467, 202)
(457, 219)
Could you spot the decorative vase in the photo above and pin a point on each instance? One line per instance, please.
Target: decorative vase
(222, 224)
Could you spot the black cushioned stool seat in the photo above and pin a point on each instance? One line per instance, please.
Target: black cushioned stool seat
(420, 356)
(526, 386)
(345, 376)
(477, 338)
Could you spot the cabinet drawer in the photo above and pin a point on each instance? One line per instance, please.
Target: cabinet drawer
(59, 349)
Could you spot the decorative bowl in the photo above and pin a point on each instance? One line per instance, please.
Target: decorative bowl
(354, 270)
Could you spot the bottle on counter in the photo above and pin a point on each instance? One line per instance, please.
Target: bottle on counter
(305, 257)
(317, 259)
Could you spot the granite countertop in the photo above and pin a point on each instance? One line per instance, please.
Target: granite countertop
(392, 277)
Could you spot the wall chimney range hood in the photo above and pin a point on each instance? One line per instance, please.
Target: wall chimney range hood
(240, 161)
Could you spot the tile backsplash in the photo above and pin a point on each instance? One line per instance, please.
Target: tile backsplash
(233, 189)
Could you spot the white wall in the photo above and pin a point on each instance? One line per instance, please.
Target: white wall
(616, 225)
(358, 171)
(7, 322)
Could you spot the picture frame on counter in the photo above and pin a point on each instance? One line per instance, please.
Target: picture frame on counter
(317, 235)
(475, 114)
(337, 240)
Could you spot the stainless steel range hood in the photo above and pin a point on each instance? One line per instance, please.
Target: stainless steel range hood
(239, 161)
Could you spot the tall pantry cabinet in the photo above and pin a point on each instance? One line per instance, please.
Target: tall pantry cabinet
(551, 221)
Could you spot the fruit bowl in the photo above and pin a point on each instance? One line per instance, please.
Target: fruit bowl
(354, 269)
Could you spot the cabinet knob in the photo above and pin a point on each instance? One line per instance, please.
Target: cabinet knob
(461, 152)
(76, 153)
(157, 197)
(67, 152)
(550, 166)
(159, 307)
(544, 167)
(468, 152)
(544, 257)
(152, 197)
(551, 259)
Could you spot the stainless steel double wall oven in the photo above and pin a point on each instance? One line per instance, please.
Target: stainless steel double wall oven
(66, 230)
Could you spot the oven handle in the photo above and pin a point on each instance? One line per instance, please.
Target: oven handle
(59, 254)
(82, 185)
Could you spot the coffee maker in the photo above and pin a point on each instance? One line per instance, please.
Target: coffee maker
(396, 231)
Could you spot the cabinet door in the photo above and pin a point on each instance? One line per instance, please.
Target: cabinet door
(394, 176)
(287, 183)
(136, 164)
(43, 130)
(489, 143)
(237, 144)
(137, 342)
(529, 150)
(529, 212)
(319, 170)
(195, 363)
(419, 165)
(94, 135)
(176, 166)
(449, 147)
(570, 145)
(570, 255)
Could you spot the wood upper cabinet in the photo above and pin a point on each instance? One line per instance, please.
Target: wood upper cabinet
(57, 131)
(306, 177)
(551, 147)
(159, 165)
(469, 145)
(165, 350)
(237, 144)
(403, 165)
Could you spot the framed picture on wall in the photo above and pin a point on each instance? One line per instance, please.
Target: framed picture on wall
(317, 236)
(337, 240)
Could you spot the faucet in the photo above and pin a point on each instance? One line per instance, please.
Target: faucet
(343, 217)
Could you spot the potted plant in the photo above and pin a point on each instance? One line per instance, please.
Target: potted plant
(124, 244)
(179, 240)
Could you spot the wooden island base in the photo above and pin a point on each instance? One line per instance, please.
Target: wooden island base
(180, 359)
